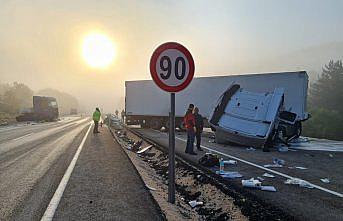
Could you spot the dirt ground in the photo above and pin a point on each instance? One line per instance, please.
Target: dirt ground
(191, 184)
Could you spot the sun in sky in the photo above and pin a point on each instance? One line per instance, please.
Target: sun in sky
(98, 50)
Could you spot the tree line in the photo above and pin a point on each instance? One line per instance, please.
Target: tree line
(17, 97)
(325, 104)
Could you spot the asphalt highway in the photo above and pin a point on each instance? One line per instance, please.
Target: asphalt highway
(33, 159)
(62, 171)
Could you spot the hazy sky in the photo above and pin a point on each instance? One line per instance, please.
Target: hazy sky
(40, 40)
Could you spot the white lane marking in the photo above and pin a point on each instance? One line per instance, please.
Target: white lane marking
(51, 209)
(26, 135)
(266, 169)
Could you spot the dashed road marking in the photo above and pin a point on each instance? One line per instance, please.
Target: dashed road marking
(51, 209)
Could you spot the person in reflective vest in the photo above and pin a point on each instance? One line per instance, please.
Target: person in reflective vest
(96, 119)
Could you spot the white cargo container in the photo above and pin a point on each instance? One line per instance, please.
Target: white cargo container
(149, 106)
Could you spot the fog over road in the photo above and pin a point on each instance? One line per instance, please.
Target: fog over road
(33, 159)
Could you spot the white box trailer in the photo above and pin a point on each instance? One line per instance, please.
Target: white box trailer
(148, 105)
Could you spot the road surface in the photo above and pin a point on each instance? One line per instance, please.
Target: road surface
(35, 157)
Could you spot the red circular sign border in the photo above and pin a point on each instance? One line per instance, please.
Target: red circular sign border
(153, 60)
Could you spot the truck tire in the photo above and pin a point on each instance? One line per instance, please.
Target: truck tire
(298, 129)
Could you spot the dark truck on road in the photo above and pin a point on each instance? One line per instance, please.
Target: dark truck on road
(44, 109)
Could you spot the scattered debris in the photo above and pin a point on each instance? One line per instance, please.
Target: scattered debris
(268, 188)
(325, 180)
(231, 175)
(260, 178)
(211, 141)
(272, 165)
(252, 183)
(150, 188)
(278, 161)
(251, 149)
(268, 175)
(301, 168)
(212, 136)
(209, 160)
(144, 149)
(300, 182)
(282, 149)
(136, 145)
(194, 203)
(232, 162)
(330, 155)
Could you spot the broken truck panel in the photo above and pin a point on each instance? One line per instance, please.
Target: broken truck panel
(245, 117)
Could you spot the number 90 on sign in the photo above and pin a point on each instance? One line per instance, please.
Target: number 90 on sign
(172, 67)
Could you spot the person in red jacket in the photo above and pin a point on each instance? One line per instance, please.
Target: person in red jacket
(189, 122)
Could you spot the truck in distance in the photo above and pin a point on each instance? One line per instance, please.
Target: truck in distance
(44, 109)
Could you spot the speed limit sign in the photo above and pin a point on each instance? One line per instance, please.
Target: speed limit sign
(172, 67)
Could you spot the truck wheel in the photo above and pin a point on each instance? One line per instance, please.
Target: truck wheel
(155, 124)
(298, 128)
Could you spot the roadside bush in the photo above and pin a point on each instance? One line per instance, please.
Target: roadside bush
(324, 123)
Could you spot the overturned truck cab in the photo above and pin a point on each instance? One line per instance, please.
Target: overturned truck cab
(253, 118)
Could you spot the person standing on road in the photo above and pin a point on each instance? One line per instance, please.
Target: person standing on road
(189, 122)
(96, 119)
(199, 125)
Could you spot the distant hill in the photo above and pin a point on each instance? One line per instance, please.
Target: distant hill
(65, 101)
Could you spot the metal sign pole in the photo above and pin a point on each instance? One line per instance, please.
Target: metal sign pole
(171, 152)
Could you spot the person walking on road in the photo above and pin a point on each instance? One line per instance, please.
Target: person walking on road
(189, 122)
(96, 119)
(199, 125)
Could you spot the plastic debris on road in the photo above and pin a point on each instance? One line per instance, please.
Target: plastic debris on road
(250, 149)
(260, 178)
(194, 203)
(301, 168)
(268, 188)
(278, 161)
(268, 175)
(252, 183)
(300, 182)
(231, 175)
(232, 162)
(325, 180)
(144, 149)
(282, 148)
(272, 165)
